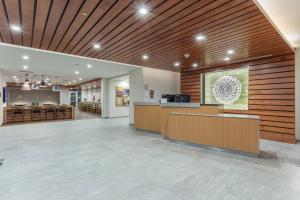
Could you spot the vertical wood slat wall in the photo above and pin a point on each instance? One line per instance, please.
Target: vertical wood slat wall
(271, 94)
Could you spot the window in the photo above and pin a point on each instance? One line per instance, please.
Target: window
(229, 87)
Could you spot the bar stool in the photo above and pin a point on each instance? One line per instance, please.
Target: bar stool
(18, 114)
(50, 112)
(35, 114)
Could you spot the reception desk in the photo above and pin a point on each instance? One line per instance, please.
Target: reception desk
(199, 124)
(19, 114)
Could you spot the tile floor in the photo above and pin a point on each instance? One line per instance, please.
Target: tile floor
(106, 159)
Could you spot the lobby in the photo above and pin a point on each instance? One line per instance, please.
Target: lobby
(159, 99)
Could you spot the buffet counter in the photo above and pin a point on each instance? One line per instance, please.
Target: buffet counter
(13, 114)
(199, 124)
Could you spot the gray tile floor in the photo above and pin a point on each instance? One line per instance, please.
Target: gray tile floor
(106, 159)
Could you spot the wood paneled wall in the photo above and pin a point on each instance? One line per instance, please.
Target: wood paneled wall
(271, 94)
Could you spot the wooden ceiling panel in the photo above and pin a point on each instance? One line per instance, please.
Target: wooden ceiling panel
(181, 18)
(132, 24)
(56, 12)
(13, 13)
(41, 15)
(100, 11)
(109, 15)
(181, 32)
(84, 13)
(165, 34)
(27, 8)
(70, 12)
(4, 28)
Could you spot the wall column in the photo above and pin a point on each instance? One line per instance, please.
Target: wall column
(297, 92)
(104, 97)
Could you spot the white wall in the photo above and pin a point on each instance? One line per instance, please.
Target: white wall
(297, 90)
(64, 96)
(136, 91)
(161, 81)
(2, 84)
(116, 111)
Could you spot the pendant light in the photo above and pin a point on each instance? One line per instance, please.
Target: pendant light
(43, 83)
(56, 87)
(35, 85)
(26, 85)
(49, 81)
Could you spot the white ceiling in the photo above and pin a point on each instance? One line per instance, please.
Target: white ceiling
(57, 64)
(285, 14)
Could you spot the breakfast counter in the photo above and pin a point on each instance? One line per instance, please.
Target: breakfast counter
(19, 114)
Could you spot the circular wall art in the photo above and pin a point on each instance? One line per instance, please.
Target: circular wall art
(227, 89)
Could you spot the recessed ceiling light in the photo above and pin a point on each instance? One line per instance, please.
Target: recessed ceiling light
(143, 10)
(200, 37)
(226, 58)
(15, 77)
(145, 57)
(186, 55)
(97, 46)
(230, 51)
(76, 72)
(89, 66)
(195, 65)
(177, 64)
(25, 67)
(15, 28)
(80, 78)
(84, 13)
(25, 57)
(74, 81)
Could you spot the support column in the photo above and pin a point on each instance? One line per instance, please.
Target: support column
(104, 97)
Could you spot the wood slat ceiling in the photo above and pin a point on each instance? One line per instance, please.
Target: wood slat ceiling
(73, 26)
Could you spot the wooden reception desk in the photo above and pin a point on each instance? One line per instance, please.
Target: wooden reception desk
(199, 124)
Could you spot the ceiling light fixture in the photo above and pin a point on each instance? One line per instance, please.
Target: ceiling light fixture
(25, 57)
(97, 46)
(226, 58)
(26, 85)
(35, 85)
(230, 51)
(15, 77)
(143, 10)
(76, 72)
(195, 65)
(15, 28)
(74, 81)
(43, 83)
(80, 78)
(84, 14)
(145, 57)
(200, 37)
(25, 67)
(177, 64)
(186, 55)
(89, 66)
